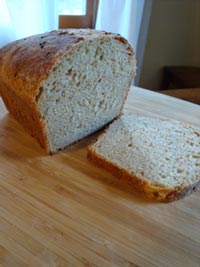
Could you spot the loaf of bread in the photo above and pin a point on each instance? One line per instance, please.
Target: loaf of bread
(159, 158)
(66, 84)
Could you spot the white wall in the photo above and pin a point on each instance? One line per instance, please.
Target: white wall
(120, 16)
(173, 39)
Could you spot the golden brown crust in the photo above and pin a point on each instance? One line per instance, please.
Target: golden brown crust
(26, 63)
(140, 185)
(27, 115)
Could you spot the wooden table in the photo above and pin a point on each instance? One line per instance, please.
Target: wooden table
(62, 210)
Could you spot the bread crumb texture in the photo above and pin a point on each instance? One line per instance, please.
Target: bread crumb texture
(164, 154)
(85, 91)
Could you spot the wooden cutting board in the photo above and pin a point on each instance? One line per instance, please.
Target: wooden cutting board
(62, 210)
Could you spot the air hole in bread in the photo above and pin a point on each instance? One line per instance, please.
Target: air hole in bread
(197, 156)
(180, 170)
(101, 103)
(69, 72)
(39, 95)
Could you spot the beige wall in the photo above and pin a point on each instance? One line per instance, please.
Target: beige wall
(173, 39)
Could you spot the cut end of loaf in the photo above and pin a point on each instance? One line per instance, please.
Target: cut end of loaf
(160, 157)
(85, 90)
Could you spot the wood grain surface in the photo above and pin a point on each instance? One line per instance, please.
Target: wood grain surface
(62, 210)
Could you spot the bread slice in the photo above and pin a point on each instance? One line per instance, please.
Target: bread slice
(64, 85)
(160, 158)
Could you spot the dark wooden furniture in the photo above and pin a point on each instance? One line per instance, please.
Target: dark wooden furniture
(188, 94)
(175, 77)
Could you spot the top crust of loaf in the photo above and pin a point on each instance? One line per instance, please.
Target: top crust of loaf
(25, 63)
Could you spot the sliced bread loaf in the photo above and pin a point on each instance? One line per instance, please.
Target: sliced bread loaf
(160, 158)
(66, 84)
